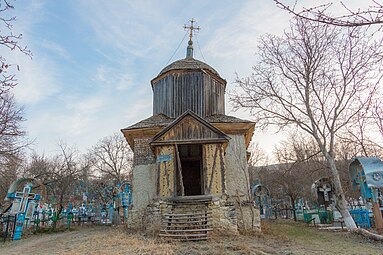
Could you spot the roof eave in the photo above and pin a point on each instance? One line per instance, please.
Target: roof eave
(207, 71)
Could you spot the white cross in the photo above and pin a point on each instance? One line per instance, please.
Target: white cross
(325, 189)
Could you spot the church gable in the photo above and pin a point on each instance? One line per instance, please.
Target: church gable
(189, 127)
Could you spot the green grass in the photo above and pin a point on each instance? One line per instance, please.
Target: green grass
(304, 238)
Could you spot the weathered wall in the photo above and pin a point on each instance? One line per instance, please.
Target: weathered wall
(197, 91)
(236, 172)
(249, 219)
(143, 154)
(214, 165)
(166, 171)
(189, 128)
(224, 216)
(144, 180)
(144, 185)
(237, 185)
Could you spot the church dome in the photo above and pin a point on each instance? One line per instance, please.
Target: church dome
(188, 63)
(188, 84)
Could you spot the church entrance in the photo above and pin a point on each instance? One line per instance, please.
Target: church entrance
(190, 157)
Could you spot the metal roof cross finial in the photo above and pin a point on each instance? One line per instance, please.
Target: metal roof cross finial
(191, 28)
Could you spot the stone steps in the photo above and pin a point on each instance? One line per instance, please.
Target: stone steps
(187, 220)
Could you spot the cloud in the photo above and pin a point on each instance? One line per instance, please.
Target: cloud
(237, 37)
(74, 118)
(55, 48)
(113, 78)
(130, 27)
(138, 110)
(36, 80)
(83, 106)
(100, 74)
(83, 120)
(125, 82)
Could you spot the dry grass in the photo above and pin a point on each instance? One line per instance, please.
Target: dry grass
(280, 237)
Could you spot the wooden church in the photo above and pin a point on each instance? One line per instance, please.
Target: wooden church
(190, 172)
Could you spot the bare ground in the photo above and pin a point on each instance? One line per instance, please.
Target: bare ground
(280, 237)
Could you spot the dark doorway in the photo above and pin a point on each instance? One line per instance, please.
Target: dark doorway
(191, 164)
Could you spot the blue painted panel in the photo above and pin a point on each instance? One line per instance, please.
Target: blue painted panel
(11, 195)
(164, 158)
(19, 226)
(372, 169)
(361, 218)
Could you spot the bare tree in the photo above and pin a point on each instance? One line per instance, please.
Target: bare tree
(10, 168)
(300, 165)
(257, 155)
(373, 15)
(378, 116)
(12, 135)
(365, 136)
(317, 79)
(257, 158)
(39, 167)
(112, 157)
(59, 173)
(10, 41)
(285, 180)
(344, 152)
(361, 138)
(11, 116)
(63, 174)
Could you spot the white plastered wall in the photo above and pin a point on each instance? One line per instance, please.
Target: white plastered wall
(236, 170)
(144, 185)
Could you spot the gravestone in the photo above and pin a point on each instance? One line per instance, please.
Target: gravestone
(262, 199)
(23, 207)
(322, 191)
(367, 175)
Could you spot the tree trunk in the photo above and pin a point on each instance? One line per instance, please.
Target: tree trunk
(293, 207)
(378, 217)
(370, 235)
(341, 204)
(116, 220)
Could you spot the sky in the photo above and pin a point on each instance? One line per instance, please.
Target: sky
(93, 60)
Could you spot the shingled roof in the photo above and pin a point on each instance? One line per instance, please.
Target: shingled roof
(161, 120)
(221, 118)
(153, 121)
(188, 64)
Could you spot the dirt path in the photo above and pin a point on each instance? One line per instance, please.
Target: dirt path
(56, 243)
(278, 238)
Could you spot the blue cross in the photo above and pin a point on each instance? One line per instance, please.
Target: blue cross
(24, 198)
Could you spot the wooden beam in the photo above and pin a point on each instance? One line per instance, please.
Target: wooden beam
(204, 141)
(179, 169)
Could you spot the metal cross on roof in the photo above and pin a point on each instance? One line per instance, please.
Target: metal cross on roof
(191, 28)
